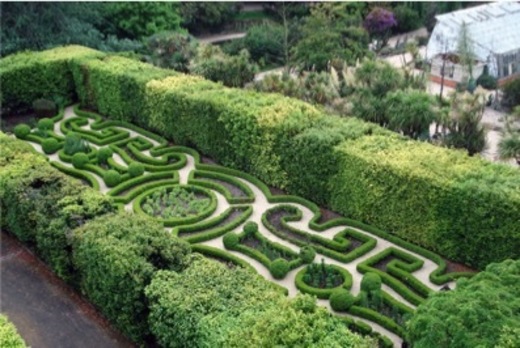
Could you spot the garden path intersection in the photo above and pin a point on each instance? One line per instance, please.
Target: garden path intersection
(285, 223)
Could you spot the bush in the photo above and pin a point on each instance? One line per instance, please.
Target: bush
(307, 254)
(341, 300)
(371, 282)
(265, 43)
(250, 228)
(172, 50)
(485, 80)
(230, 240)
(44, 108)
(50, 145)
(74, 144)
(511, 91)
(126, 249)
(135, 169)
(80, 160)
(279, 268)
(45, 124)
(103, 155)
(9, 338)
(112, 178)
(407, 19)
(21, 131)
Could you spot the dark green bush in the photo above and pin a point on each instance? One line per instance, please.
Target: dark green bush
(230, 240)
(265, 43)
(74, 144)
(45, 124)
(135, 169)
(341, 300)
(44, 108)
(50, 145)
(485, 80)
(112, 178)
(116, 257)
(279, 268)
(307, 254)
(407, 19)
(22, 131)
(172, 50)
(250, 228)
(511, 92)
(104, 154)
(79, 160)
(371, 282)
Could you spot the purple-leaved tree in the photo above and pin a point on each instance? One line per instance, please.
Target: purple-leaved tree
(378, 23)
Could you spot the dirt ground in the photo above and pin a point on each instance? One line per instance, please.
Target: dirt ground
(46, 312)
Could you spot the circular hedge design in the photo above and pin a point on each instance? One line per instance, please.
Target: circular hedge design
(303, 284)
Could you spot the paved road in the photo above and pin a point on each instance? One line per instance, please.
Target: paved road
(221, 37)
(45, 311)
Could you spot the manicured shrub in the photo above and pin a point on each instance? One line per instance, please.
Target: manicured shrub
(9, 338)
(341, 300)
(371, 282)
(44, 108)
(135, 169)
(250, 228)
(126, 249)
(230, 240)
(21, 131)
(307, 254)
(279, 268)
(79, 160)
(45, 124)
(103, 155)
(50, 145)
(74, 144)
(112, 178)
(485, 80)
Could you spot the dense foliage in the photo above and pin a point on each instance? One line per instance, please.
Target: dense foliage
(211, 305)
(480, 312)
(511, 91)
(199, 17)
(9, 338)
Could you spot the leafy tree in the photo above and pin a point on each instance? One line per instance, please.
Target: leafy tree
(172, 50)
(213, 64)
(407, 18)
(136, 20)
(9, 337)
(511, 90)
(198, 17)
(379, 23)
(465, 129)
(410, 112)
(327, 35)
(265, 43)
(465, 50)
(509, 145)
(479, 312)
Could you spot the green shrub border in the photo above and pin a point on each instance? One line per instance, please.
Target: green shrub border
(322, 293)
(201, 174)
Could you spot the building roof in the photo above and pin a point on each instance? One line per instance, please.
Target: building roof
(493, 29)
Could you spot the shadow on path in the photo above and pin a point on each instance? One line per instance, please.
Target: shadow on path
(47, 312)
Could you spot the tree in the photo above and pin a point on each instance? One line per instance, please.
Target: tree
(329, 34)
(198, 17)
(379, 23)
(172, 50)
(509, 145)
(465, 129)
(479, 312)
(410, 112)
(266, 43)
(465, 51)
(136, 20)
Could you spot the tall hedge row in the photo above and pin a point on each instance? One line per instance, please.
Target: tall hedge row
(437, 198)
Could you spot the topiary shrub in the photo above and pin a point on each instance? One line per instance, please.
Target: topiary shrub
(485, 80)
(250, 228)
(230, 240)
(112, 178)
(44, 108)
(80, 160)
(21, 131)
(371, 282)
(135, 169)
(103, 155)
(45, 124)
(341, 300)
(279, 268)
(74, 144)
(50, 146)
(307, 254)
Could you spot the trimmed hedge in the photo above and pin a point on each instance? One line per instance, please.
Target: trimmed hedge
(415, 190)
(323, 293)
(9, 337)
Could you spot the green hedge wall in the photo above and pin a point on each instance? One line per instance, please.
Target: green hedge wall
(9, 337)
(463, 208)
(27, 76)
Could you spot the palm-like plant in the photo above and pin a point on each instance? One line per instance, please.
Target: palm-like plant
(509, 146)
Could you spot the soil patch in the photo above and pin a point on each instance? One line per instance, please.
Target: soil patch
(10, 121)
(458, 267)
(235, 190)
(47, 312)
(327, 215)
(275, 218)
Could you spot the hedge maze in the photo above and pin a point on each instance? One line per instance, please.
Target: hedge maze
(231, 216)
